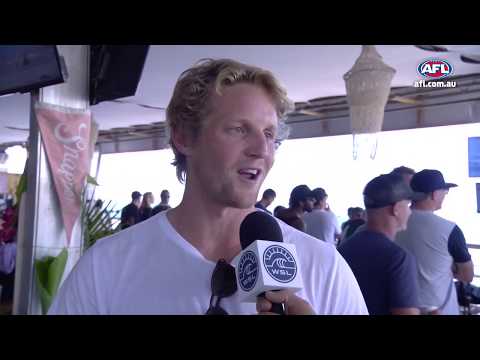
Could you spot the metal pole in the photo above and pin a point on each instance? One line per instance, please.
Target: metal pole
(41, 230)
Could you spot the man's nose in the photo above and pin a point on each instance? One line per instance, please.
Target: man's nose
(258, 144)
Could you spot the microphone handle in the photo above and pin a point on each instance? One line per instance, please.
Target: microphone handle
(277, 308)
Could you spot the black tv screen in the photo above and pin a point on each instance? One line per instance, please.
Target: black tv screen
(24, 68)
(115, 71)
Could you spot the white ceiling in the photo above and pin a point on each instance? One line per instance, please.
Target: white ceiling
(307, 71)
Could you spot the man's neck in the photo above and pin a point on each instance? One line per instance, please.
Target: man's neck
(423, 205)
(382, 227)
(297, 210)
(214, 230)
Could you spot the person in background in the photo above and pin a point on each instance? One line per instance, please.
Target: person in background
(349, 214)
(438, 245)
(406, 174)
(278, 209)
(357, 219)
(164, 199)
(386, 273)
(268, 198)
(301, 201)
(320, 222)
(130, 215)
(145, 210)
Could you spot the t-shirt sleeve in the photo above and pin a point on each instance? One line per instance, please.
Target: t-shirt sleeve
(457, 246)
(403, 281)
(346, 296)
(338, 230)
(77, 294)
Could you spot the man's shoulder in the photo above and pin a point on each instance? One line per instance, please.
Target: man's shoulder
(135, 239)
(130, 208)
(306, 244)
(367, 239)
(421, 219)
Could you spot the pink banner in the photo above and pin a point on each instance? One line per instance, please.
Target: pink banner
(66, 136)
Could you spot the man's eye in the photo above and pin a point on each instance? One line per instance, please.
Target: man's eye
(237, 129)
(269, 135)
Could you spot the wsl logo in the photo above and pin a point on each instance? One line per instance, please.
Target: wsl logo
(280, 263)
(434, 69)
(248, 271)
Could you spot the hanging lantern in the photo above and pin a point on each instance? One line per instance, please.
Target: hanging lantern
(368, 87)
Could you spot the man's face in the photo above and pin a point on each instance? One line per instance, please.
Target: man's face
(269, 200)
(403, 212)
(439, 197)
(308, 204)
(137, 202)
(235, 148)
(165, 197)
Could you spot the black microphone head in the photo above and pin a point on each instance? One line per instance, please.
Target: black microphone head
(259, 226)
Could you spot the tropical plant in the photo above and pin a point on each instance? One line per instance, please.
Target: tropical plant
(99, 220)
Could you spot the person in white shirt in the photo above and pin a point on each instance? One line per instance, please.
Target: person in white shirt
(321, 222)
(225, 120)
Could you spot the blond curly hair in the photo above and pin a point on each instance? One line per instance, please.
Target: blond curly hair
(189, 104)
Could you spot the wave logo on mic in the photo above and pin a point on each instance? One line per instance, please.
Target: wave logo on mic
(248, 271)
(280, 263)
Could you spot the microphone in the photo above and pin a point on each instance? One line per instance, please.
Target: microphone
(266, 262)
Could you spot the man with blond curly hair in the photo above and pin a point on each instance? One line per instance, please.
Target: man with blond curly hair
(226, 120)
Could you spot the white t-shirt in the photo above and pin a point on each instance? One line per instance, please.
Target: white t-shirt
(149, 268)
(322, 224)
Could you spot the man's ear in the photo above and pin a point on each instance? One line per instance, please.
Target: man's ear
(395, 209)
(182, 139)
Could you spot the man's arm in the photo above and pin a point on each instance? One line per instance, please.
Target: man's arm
(403, 285)
(457, 247)
(299, 224)
(463, 271)
(405, 311)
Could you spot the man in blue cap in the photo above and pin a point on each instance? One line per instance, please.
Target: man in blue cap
(437, 244)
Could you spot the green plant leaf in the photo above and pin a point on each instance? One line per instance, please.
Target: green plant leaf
(22, 186)
(91, 180)
(41, 277)
(55, 271)
(49, 272)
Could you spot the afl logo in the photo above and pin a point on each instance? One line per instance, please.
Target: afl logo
(280, 263)
(435, 69)
(248, 271)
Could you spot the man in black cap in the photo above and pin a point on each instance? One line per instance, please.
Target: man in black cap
(385, 272)
(301, 201)
(130, 215)
(436, 244)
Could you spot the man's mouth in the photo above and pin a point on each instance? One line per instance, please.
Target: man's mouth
(250, 173)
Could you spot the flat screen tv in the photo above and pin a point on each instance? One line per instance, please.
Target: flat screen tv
(115, 71)
(24, 68)
(474, 156)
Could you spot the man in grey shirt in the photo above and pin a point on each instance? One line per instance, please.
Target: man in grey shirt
(437, 244)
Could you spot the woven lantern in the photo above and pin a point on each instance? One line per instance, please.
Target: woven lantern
(368, 87)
